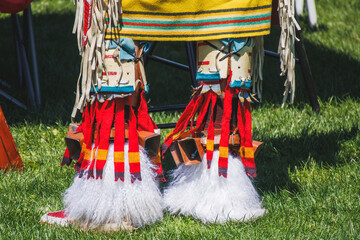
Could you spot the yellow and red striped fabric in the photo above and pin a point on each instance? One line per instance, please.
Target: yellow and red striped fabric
(194, 20)
(225, 130)
(100, 117)
(246, 150)
(134, 156)
(86, 150)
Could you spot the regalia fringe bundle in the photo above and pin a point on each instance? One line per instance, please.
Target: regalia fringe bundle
(95, 21)
(99, 117)
(204, 103)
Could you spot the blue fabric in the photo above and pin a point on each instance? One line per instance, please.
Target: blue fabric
(208, 76)
(129, 45)
(126, 43)
(113, 45)
(238, 43)
(116, 89)
(237, 83)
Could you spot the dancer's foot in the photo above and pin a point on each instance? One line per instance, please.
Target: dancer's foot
(59, 218)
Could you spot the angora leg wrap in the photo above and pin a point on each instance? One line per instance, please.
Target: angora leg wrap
(201, 193)
(92, 202)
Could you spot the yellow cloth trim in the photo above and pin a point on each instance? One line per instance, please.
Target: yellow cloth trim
(187, 17)
(177, 6)
(83, 148)
(198, 38)
(249, 152)
(87, 154)
(191, 38)
(102, 154)
(134, 157)
(150, 38)
(119, 157)
(246, 152)
(223, 152)
(223, 30)
(210, 145)
(189, 20)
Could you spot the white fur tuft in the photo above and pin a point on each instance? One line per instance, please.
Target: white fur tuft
(93, 203)
(201, 193)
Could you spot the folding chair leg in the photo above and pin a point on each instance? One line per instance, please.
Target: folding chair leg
(18, 58)
(190, 50)
(23, 59)
(306, 72)
(28, 26)
(13, 100)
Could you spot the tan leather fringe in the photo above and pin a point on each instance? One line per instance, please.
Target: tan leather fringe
(286, 47)
(94, 52)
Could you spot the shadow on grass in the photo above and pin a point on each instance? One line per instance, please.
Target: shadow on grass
(279, 155)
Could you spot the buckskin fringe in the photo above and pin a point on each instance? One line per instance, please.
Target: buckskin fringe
(90, 27)
(286, 47)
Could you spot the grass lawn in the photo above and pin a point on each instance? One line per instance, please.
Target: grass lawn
(308, 169)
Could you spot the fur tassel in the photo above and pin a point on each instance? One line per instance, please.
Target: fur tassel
(93, 203)
(201, 193)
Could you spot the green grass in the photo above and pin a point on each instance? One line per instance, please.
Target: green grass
(308, 168)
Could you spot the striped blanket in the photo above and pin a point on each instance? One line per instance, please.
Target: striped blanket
(192, 20)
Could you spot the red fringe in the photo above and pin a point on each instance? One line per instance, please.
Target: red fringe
(106, 114)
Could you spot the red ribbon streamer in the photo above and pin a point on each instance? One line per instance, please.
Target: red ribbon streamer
(134, 156)
(246, 146)
(119, 140)
(105, 116)
(210, 136)
(225, 131)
